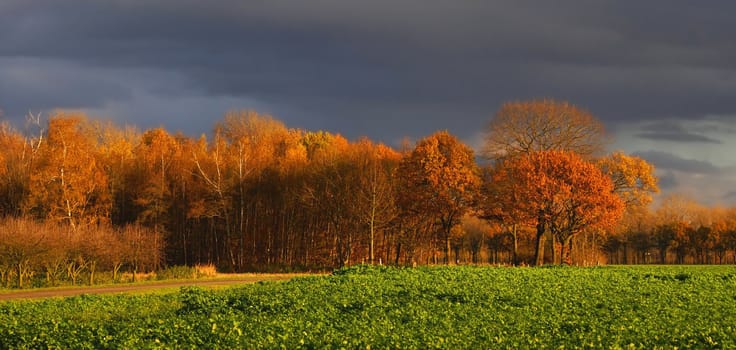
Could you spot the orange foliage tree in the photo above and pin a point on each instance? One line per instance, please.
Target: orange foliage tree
(14, 156)
(117, 158)
(68, 183)
(441, 178)
(154, 157)
(499, 204)
(556, 191)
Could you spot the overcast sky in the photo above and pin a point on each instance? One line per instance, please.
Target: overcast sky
(661, 75)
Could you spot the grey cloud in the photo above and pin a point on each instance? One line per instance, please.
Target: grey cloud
(668, 161)
(667, 181)
(723, 124)
(730, 196)
(673, 131)
(677, 137)
(383, 68)
(42, 85)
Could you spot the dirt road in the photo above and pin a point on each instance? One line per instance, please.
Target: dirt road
(51, 293)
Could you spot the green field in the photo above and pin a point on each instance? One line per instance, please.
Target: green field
(377, 307)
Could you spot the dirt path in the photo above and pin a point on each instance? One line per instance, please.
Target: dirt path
(50, 293)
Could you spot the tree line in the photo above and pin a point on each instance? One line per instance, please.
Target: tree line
(258, 195)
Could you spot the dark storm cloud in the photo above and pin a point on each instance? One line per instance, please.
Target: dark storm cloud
(379, 68)
(49, 84)
(668, 161)
(673, 131)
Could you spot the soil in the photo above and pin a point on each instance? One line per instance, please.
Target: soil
(52, 293)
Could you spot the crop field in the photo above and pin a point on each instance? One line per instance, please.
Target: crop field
(379, 307)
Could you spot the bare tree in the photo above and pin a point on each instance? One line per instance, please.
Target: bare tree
(542, 125)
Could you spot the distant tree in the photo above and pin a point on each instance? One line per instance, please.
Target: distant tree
(22, 244)
(154, 158)
(523, 127)
(676, 208)
(15, 154)
(333, 185)
(633, 178)
(442, 179)
(68, 183)
(143, 248)
(499, 204)
(376, 195)
(117, 157)
(215, 171)
(541, 125)
(53, 260)
(562, 192)
(476, 231)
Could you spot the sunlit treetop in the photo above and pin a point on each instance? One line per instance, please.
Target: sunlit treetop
(541, 125)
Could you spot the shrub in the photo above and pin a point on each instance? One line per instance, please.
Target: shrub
(177, 272)
(208, 270)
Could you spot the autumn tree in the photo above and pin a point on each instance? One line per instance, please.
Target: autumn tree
(14, 156)
(412, 223)
(142, 248)
(676, 208)
(249, 167)
(634, 182)
(154, 157)
(22, 243)
(331, 191)
(441, 178)
(558, 191)
(375, 196)
(499, 204)
(721, 229)
(68, 182)
(476, 231)
(522, 127)
(633, 178)
(214, 173)
(116, 150)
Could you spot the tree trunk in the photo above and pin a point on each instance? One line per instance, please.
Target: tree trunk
(539, 252)
(556, 251)
(372, 229)
(398, 253)
(20, 269)
(92, 268)
(515, 253)
(115, 270)
(565, 256)
(663, 255)
(447, 247)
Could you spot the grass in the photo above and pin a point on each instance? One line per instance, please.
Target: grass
(236, 278)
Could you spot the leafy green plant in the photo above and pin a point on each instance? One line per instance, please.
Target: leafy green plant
(428, 307)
